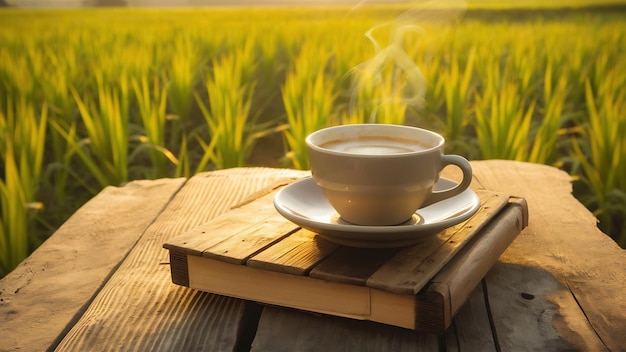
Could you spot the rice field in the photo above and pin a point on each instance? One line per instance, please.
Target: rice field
(97, 97)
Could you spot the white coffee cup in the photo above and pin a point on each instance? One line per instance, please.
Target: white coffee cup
(377, 174)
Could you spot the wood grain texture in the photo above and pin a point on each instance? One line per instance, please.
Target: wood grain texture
(244, 229)
(288, 330)
(296, 254)
(563, 242)
(139, 309)
(196, 240)
(240, 246)
(353, 266)
(44, 294)
(470, 327)
(527, 304)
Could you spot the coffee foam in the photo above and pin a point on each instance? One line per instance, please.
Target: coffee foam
(374, 145)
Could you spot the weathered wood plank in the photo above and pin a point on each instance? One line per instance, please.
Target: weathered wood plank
(240, 246)
(140, 309)
(198, 239)
(562, 243)
(528, 304)
(296, 254)
(472, 330)
(352, 265)
(244, 228)
(241, 216)
(42, 296)
(288, 330)
(603, 305)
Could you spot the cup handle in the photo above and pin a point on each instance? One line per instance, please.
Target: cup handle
(465, 167)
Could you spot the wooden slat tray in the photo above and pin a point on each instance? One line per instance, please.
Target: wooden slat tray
(253, 253)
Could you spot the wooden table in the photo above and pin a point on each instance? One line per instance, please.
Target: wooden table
(102, 281)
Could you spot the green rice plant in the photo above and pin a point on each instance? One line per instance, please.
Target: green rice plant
(521, 65)
(183, 167)
(363, 104)
(608, 74)
(393, 105)
(601, 153)
(182, 77)
(102, 70)
(104, 151)
(308, 97)
(230, 90)
(503, 124)
(489, 71)
(152, 103)
(22, 146)
(13, 217)
(434, 100)
(24, 136)
(457, 89)
(270, 66)
(55, 84)
(18, 79)
(273, 49)
(380, 103)
(545, 142)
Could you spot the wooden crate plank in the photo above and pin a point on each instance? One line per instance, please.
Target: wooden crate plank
(198, 239)
(242, 216)
(288, 330)
(140, 309)
(352, 265)
(246, 216)
(411, 268)
(296, 254)
(241, 245)
(45, 294)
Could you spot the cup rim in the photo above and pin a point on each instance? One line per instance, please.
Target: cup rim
(312, 145)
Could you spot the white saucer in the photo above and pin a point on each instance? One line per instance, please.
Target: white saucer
(303, 203)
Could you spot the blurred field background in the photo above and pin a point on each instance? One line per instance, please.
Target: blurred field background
(93, 97)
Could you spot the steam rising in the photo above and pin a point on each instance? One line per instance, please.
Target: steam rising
(392, 67)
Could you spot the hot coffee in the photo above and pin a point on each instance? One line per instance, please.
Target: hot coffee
(374, 145)
(379, 175)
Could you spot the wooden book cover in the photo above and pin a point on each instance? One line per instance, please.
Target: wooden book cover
(253, 253)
